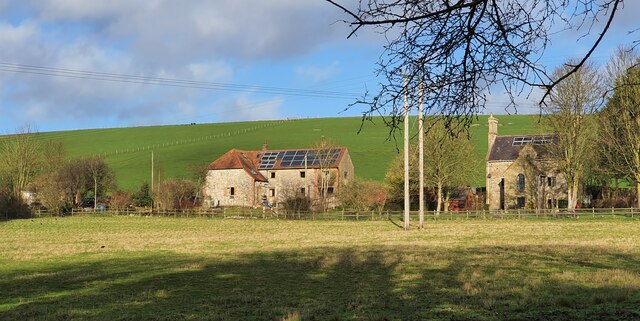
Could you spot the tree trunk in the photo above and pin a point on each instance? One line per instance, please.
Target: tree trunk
(446, 203)
(572, 195)
(439, 206)
(638, 194)
(95, 193)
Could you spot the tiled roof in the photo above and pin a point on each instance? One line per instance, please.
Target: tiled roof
(239, 159)
(503, 148)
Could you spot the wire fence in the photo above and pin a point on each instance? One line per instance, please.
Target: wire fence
(346, 215)
(192, 140)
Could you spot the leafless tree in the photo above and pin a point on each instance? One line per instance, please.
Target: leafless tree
(571, 118)
(620, 120)
(175, 194)
(363, 195)
(464, 48)
(21, 161)
(324, 157)
(99, 174)
(120, 200)
(447, 166)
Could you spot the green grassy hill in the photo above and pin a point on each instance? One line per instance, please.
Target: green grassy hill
(180, 149)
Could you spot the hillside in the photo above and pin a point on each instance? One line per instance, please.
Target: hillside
(179, 150)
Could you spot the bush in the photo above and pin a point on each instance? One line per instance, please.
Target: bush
(298, 203)
(363, 195)
(142, 198)
(120, 200)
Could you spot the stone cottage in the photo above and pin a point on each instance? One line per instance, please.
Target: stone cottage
(521, 173)
(267, 177)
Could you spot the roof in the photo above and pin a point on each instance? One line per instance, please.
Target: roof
(301, 158)
(504, 149)
(255, 161)
(239, 159)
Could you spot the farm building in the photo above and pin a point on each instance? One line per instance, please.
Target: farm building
(267, 177)
(521, 173)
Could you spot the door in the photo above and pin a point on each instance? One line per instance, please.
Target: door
(501, 193)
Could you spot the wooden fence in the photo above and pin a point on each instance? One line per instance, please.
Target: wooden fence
(247, 213)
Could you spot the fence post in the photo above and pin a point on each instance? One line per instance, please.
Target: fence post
(632, 212)
(593, 212)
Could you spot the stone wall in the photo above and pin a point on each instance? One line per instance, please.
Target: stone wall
(218, 184)
(536, 193)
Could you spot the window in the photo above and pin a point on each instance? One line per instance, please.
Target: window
(302, 191)
(519, 141)
(303, 174)
(543, 180)
(520, 201)
(330, 190)
(273, 174)
(536, 140)
(551, 181)
(346, 174)
(272, 192)
(520, 182)
(231, 191)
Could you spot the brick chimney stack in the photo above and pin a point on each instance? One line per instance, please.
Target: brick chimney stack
(265, 145)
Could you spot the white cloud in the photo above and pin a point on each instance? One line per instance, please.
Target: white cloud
(195, 40)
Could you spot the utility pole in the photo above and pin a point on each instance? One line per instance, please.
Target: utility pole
(421, 147)
(307, 190)
(407, 204)
(152, 173)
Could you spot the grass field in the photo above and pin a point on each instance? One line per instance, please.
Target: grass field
(133, 268)
(179, 150)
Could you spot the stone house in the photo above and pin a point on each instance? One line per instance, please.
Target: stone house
(521, 173)
(267, 177)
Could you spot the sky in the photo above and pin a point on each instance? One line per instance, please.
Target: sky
(216, 61)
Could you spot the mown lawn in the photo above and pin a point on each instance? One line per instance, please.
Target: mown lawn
(132, 268)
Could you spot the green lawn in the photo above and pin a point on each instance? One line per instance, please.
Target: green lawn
(180, 149)
(133, 268)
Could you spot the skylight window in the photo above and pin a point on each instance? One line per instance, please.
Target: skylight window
(535, 140)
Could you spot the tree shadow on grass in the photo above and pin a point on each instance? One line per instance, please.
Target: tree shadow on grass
(384, 283)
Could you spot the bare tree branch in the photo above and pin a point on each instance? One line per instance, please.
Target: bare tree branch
(462, 49)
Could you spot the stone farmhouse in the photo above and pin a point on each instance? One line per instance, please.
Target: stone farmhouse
(521, 173)
(267, 177)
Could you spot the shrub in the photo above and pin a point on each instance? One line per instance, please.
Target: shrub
(297, 203)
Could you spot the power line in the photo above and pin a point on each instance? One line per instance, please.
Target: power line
(173, 82)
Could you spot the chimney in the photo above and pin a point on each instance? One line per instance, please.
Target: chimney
(493, 131)
(265, 145)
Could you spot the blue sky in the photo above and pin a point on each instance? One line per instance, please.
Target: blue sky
(290, 44)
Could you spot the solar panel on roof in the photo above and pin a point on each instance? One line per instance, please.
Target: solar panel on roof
(536, 140)
(268, 160)
(298, 158)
